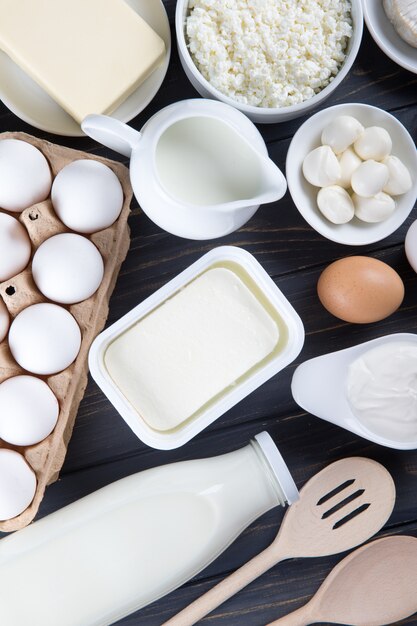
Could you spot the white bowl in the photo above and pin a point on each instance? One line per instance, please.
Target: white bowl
(319, 387)
(304, 195)
(387, 38)
(264, 115)
(167, 440)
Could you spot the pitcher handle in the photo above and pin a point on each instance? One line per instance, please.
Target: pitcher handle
(111, 133)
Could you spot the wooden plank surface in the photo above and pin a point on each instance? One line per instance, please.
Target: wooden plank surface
(104, 449)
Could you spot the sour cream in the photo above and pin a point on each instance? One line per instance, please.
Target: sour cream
(382, 390)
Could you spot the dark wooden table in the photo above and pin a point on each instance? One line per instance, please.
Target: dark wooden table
(104, 449)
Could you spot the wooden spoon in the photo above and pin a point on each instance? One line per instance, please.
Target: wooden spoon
(375, 585)
(339, 508)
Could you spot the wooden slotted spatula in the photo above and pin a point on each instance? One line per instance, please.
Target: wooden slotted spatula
(373, 586)
(339, 508)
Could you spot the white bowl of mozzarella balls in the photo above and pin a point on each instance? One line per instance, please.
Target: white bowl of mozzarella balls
(352, 173)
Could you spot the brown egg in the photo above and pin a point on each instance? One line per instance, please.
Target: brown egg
(360, 289)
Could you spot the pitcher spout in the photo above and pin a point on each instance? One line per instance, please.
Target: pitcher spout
(273, 182)
(268, 182)
(272, 185)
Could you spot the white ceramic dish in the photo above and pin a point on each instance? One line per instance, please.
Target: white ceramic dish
(186, 431)
(233, 135)
(263, 115)
(319, 387)
(387, 38)
(33, 105)
(354, 233)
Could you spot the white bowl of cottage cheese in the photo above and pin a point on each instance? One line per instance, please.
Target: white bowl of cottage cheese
(274, 60)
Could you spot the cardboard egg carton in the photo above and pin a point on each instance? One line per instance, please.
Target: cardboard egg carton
(47, 457)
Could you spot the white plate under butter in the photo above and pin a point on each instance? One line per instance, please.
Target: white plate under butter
(319, 386)
(279, 324)
(23, 96)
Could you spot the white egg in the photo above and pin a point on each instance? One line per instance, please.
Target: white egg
(341, 133)
(87, 196)
(44, 338)
(67, 268)
(349, 162)
(321, 167)
(17, 484)
(369, 178)
(376, 209)
(374, 143)
(399, 180)
(335, 203)
(4, 320)
(411, 245)
(24, 173)
(28, 410)
(15, 247)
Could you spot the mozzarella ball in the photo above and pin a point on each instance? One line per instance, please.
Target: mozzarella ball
(349, 162)
(369, 178)
(15, 248)
(374, 143)
(411, 245)
(28, 410)
(399, 180)
(44, 339)
(336, 205)
(67, 268)
(87, 196)
(321, 167)
(341, 133)
(24, 173)
(4, 320)
(17, 484)
(376, 209)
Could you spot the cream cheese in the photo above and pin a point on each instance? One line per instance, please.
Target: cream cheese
(382, 390)
(191, 348)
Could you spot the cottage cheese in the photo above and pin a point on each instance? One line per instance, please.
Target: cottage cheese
(269, 53)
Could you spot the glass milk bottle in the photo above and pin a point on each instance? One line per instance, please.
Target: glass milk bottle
(124, 546)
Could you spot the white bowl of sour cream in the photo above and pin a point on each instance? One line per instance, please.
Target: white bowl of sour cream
(253, 68)
(369, 389)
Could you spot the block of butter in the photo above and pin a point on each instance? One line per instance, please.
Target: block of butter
(88, 55)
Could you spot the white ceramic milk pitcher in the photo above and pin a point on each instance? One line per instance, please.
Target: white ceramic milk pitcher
(199, 168)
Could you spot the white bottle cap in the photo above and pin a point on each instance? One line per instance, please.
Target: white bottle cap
(278, 467)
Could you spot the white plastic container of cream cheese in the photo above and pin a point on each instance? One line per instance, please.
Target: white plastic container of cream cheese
(196, 347)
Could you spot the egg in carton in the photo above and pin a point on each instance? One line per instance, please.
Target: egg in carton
(19, 292)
